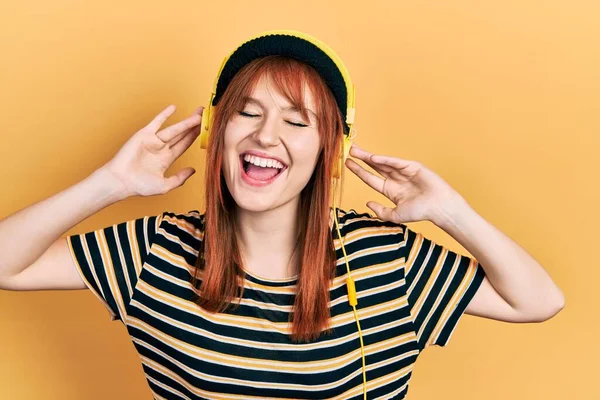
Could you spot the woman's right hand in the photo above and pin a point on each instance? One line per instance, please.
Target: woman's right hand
(139, 166)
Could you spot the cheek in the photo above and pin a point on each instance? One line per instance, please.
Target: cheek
(305, 150)
(231, 136)
(230, 142)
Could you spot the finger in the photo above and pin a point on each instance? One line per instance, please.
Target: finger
(181, 135)
(394, 162)
(192, 131)
(365, 156)
(160, 119)
(382, 212)
(167, 134)
(183, 144)
(367, 177)
(382, 170)
(174, 181)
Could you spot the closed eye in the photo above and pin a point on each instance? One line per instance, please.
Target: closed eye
(245, 114)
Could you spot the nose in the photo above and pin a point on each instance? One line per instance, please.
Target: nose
(267, 133)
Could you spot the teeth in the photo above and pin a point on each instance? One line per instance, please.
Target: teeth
(263, 162)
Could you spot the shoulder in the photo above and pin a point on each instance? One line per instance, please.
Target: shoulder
(365, 235)
(190, 223)
(353, 223)
(372, 247)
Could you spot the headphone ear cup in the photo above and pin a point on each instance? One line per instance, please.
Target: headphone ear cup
(347, 146)
(204, 128)
(341, 160)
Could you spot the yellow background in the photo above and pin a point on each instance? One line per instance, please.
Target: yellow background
(501, 99)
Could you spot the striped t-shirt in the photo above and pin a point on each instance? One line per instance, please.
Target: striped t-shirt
(411, 294)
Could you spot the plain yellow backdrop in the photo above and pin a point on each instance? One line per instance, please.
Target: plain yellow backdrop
(501, 99)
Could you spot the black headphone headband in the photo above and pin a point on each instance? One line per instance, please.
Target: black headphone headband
(289, 46)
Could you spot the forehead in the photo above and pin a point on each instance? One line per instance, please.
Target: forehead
(266, 90)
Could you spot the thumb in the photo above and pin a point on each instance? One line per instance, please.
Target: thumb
(382, 212)
(174, 181)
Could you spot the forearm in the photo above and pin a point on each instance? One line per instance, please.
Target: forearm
(28, 233)
(515, 275)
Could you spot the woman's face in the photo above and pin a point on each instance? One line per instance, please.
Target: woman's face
(266, 124)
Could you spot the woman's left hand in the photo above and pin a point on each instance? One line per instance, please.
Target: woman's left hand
(418, 193)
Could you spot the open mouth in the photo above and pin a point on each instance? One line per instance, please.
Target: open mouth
(259, 176)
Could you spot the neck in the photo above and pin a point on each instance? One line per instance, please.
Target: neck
(268, 240)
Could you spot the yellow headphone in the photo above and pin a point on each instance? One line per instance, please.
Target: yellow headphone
(340, 161)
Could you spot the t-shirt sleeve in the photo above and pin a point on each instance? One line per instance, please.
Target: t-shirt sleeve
(439, 285)
(110, 260)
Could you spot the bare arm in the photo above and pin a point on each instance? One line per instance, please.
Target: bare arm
(33, 253)
(516, 287)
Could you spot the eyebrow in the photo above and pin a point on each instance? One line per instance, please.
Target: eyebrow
(292, 108)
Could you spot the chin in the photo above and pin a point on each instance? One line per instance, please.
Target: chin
(259, 199)
(255, 205)
(252, 201)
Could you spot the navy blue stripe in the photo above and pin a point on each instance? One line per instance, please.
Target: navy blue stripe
(99, 268)
(79, 252)
(461, 306)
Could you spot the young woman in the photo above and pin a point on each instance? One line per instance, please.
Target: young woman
(249, 299)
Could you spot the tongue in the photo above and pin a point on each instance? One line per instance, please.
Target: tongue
(261, 173)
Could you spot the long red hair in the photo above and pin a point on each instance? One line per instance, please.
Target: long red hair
(219, 257)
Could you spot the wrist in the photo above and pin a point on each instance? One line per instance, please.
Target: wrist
(449, 213)
(111, 189)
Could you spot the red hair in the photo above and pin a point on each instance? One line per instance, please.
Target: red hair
(222, 275)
